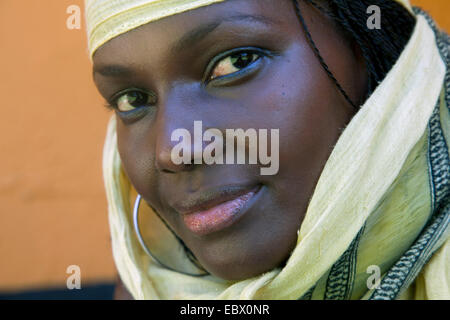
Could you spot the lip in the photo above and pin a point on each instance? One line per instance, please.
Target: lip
(216, 210)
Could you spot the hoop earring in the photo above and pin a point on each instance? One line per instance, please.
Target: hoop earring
(144, 246)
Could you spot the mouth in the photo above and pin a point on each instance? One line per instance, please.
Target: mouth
(216, 211)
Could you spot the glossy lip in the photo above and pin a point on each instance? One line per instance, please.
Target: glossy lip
(215, 210)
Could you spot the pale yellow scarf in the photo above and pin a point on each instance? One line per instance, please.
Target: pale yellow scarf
(381, 200)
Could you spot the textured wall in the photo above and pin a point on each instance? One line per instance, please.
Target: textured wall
(52, 125)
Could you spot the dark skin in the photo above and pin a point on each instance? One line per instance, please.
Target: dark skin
(283, 87)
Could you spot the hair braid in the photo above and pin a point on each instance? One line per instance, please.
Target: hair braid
(380, 47)
(319, 56)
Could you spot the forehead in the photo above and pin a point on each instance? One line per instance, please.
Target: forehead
(191, 25)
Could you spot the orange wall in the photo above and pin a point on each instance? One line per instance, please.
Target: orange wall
(439, 10)
(53, 209)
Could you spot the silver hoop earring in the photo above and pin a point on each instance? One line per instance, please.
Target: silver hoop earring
(144, 246)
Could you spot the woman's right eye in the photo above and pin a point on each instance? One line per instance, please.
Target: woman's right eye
(132, 100)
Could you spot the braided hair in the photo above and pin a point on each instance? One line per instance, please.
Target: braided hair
(380, 47)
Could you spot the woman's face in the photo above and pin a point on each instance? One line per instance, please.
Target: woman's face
(236, 64)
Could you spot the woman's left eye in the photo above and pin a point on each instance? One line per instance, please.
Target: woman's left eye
(234, 63)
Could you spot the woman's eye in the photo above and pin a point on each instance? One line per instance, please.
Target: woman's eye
(133, 100)
(233, 63)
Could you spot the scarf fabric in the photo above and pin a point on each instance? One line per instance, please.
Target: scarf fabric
(383, 198)
(107, 19)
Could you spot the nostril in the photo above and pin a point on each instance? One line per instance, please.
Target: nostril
(182, 167)
(165, 164)
(167, 171)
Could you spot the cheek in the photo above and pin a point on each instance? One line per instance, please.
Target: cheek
(304, 104)
(136, 155)
(310, 114)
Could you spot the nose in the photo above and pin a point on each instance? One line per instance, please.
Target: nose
(165, 163)
(176, 149)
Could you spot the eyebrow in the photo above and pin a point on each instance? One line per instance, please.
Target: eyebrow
(188, 39)
(113, 70)
(202, 31)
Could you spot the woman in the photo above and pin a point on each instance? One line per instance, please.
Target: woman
(359, 207)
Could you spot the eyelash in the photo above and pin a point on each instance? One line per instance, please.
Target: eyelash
(111, 104)
(261, 53)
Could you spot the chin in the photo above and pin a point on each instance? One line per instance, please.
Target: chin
(241, 266)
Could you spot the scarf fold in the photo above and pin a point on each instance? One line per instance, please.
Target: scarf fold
(382, 200)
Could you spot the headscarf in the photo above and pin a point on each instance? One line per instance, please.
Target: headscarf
(383, 197)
